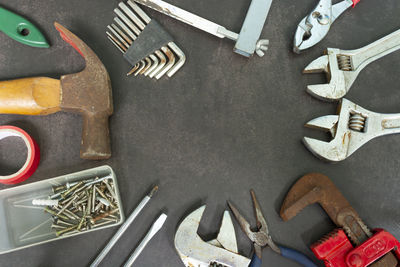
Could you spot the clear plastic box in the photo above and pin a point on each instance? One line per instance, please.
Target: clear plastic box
(23, 225)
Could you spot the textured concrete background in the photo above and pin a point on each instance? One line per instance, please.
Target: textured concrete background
(222, 125)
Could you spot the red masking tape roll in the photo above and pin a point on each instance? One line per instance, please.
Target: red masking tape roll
(32, 161)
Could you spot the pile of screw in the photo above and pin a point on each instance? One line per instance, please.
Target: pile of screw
(80, 206)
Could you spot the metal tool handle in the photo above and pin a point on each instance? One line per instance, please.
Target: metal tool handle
(249, 35)
(382, 47)
(122, 229)
(189, 18)
(150, 234)
(390, 124)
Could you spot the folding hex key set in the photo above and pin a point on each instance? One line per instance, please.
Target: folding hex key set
(86, 201)
(144, 43)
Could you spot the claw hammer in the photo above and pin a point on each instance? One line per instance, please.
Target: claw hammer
(378, 248)
(88, 92)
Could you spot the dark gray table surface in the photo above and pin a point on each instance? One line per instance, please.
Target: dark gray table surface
(222, 125)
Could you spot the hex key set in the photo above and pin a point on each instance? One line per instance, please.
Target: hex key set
(144, 42)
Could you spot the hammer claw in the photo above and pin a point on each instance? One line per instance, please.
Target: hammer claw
(70, 38)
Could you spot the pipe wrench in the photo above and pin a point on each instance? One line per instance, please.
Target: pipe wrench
(315, 26)
(351, 245)
(21, 30)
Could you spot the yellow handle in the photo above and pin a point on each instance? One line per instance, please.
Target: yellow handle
(30, 96)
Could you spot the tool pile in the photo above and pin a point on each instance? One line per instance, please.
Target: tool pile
(89, 200)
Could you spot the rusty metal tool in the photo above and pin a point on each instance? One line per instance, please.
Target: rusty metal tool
(247, 41)
(315, 26)
(317, 188)
(88, 93)
(144, 42)
(261, 237)
(194, 251)
(343, 66)
(21, 30)
(352, 127)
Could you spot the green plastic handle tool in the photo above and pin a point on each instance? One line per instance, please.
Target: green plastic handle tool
(21, 30)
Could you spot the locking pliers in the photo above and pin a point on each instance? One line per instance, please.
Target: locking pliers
(314, 27)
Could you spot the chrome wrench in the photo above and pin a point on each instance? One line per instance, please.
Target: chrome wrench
(352, 127)
(343, 66)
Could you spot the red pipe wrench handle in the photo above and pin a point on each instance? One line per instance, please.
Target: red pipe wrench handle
(355, 2)
(336, 250)
(378, 245)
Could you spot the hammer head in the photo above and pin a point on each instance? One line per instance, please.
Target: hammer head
(89, 93)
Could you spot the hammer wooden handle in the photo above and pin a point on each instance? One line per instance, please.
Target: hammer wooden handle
(30, 96)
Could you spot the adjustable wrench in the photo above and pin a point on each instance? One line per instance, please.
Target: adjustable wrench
(247, 42)
(194, 251)
(343, 66)
(350, 129)
(317, 188)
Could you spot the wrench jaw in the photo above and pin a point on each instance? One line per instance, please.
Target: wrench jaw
(194, 251)
(336, 87)
(309, 189)
(336, 149)
(350, 130)
(333, 151)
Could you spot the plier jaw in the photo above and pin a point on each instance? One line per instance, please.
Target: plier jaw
(261, 237)
(314, 27)
(309, 32)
